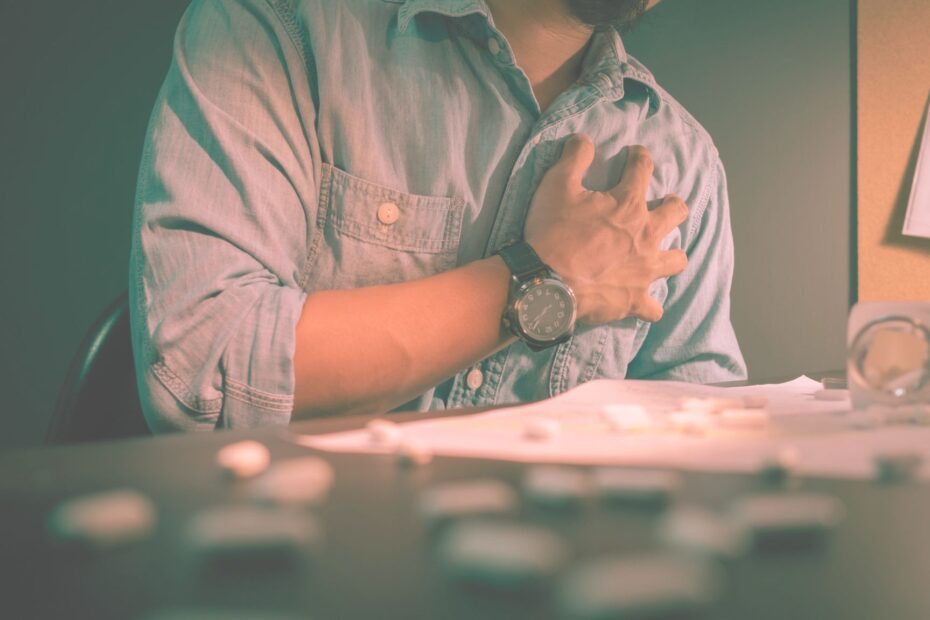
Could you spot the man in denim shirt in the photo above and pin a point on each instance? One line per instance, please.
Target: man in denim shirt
(326, 185)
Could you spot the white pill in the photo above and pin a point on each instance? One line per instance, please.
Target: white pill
(243, 459)
(895, 466)
(697, 530)
(744, 418)
(755, 402)
(702, 405)
(555, 486)
(412, 453)
(709, 405)
(105, 519)
(796, 517)
(542, 429)
(384, 433)
(467, 499)
(250, 531)
(638, 486)
(656, 585)
(305, 480)
(690, 422)
(501, 555)
(831, 395)
(627, 418)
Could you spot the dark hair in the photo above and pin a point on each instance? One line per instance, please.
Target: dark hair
(607, 13)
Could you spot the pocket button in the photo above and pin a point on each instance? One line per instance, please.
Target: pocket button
(474, 379)
(388, 213)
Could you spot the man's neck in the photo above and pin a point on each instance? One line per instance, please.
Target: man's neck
(548, 44)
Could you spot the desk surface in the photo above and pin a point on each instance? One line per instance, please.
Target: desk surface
(376, 561)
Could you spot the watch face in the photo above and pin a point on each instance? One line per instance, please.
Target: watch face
(546, 311)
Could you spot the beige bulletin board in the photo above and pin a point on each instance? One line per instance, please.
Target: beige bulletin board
(893, 91)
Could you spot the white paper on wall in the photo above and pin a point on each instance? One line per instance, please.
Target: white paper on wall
(917, 220)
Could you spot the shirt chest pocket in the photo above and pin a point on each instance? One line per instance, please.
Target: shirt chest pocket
(368, 234)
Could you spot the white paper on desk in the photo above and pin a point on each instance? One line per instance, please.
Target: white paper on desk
(917, 219)
(816, 429)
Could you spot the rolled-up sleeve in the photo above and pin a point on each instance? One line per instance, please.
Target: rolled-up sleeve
(694, 341)
(227, 184)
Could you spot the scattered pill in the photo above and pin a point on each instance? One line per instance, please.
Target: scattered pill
(636, 486)
(384, 433)
(709, 405)
(650, 586)
(104, 520)
(304, 480)
(243, 459)
(831, 395)
(556, 486)
(541, 429)
(690, 422)
(413, 453)
(744, 418)
(755, 402)
(245, 532)
(896, 466)
(697, 530)
(776, 519)
(501, 555)
(626, 418)
(467, 499)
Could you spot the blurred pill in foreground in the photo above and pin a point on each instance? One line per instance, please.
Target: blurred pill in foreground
(787, 519)
(104, 519)
(243, 532)
(556, 486)
(304, 480)
(648, 586)
(467, 499)
(243, 459)
(635, 486)
(501, 555)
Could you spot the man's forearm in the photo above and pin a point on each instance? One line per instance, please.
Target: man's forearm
(372, 349)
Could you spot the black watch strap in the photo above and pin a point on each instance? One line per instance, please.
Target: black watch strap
(523, 261)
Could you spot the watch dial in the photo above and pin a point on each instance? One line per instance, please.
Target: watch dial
(545, 311)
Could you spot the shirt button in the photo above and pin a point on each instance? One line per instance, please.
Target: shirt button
(494, 47)
(474, 379)
(388, 213)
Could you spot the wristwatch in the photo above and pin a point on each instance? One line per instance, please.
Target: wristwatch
(541, 309)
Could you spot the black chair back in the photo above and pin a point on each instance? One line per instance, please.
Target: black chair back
(99, 399)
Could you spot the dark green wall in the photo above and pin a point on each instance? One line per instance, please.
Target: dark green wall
(770, 80)
(78, 82)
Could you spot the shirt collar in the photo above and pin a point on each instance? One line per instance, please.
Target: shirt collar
(607, 64)
(450, 8)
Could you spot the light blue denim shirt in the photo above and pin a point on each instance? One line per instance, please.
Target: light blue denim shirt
(282, 129)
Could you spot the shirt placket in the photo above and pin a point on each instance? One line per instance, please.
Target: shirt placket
(479, 384)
